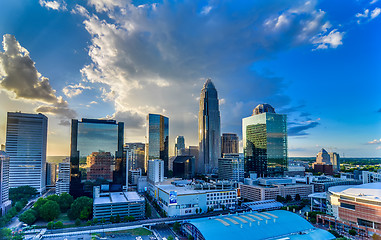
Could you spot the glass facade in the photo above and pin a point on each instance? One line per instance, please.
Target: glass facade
(265, 143)
(158, 139)
(96, 155)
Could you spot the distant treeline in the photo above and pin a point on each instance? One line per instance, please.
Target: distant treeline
(352, 161)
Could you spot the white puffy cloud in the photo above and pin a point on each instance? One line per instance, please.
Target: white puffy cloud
(21, 80)
(368, 15)
(74, 90)
(375, 141)
(55, 5)
(155, 57)
(375, 13)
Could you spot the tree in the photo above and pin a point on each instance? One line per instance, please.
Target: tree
(170, 237)
(117, 218)
(95, 221)
(81, 206)
(352, 232)
(148, 210)
(65, 200)
(38, 204)
(190, 237)
(297, 197)
(23, 192)
(129, 218)
(176, 226)
(77, 222)
(280, 198)
(29, 216)
(5, 233)
(112, 219)
(53, 197)
(49, 211)
(196, 210)
(19, 205)
(58, 224)
(50, 225)
(288, 198)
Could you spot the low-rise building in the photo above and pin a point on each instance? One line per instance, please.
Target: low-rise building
(187, 197)
(322, 183)
(231, 167)
(370, 177)
(155, 172)
(133, 175)
(269, 188)
(107, 204)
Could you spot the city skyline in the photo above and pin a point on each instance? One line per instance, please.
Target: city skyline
(312, 60)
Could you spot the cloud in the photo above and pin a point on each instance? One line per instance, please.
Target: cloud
(131, 120)
(333, 40)
(20, 78)
(299, 129)
(368, 15)
(55, 5)
(168, 48)
(373, 1)
(64, 123)
(375, 141)
(74, 90)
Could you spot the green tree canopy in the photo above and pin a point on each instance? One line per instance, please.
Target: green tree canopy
(65, 200)
(38, 204)
(23, 192)
(81, 206)
(58, 224)
(29, 216)
(49, 211)
(53, 197)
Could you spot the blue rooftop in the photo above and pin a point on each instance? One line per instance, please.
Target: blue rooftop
(278, 224)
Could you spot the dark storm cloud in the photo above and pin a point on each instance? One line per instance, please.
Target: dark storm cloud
(300, 129)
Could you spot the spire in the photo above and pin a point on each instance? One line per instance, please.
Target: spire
(209, 84)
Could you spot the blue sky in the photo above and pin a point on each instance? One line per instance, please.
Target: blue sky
(316, 61)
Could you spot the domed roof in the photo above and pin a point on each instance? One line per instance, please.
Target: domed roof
(209, 84)
(262, 108)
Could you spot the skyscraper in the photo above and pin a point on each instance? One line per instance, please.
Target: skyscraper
(158, 139)
(209, 130)
(136, 155)
(63, 182)
(179, 144)
(26, 147)
(155, 170)
(265, 141)
(96, 155)
(5, 203)
(229, 143)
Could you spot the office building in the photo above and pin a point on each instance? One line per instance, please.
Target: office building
(135, 155)
(323, 163)
(184, 197)
(5, 203)
(26, 147)
(96, 156)
(231, 167)
(265, 142)
(184, 167)
(155, 172)
(63, 181)
(179, 144)
(229, 143)
(158, 139)
(209, 130)
(51, 174)
(269, 188)
(371, 177)
(335, 161)
(133, 176)
(294, 170)
(354, 207)
(107, 204)
(322, 183)
(278, 224)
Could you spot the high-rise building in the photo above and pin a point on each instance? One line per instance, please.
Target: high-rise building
(158, 139)
(183, 167)
(179, 144)
(335, 161)
(229, 143)
(155, 171)
(136, 155)
(51, 174)
(209, 130)
(63, 181)
(323, 163)
(231, 167)
(265, 141)
(5, 203)
(96, 156)
(26, 147)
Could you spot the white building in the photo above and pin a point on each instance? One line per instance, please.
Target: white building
(133, 175)
(5, 203)
(155, 171)
(26, 147)
(231, 167)
(185, 198)
(63, 182)
(370, 177)
(117, 203)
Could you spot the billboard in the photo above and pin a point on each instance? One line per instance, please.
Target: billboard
(172, 197)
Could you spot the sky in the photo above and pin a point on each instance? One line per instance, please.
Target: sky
(316, 61)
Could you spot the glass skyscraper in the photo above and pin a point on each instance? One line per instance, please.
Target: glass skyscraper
(179, 144)
(229, 143)
(26, 147)
(96, 156)
(265, 141)
(209, 130)
(158, 139)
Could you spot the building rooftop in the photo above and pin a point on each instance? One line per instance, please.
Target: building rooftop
(262, 108)
(182, 159)
(369, 191)
(276, 224)
(118, 197)
(186, 189)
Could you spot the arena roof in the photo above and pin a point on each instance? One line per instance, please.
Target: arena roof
(369, 191)
(278, 224)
